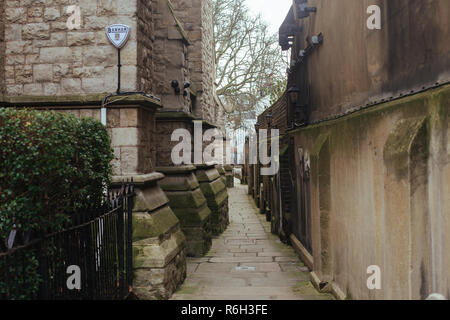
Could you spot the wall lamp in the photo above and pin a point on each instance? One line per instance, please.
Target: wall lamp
(298, 113)
(294, 94)
(269, 118)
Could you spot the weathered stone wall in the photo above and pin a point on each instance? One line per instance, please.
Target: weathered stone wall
(145, 43)
(380, 200)
(2, 46)
(159, 246)
(190, 206)
(197, 19)
(170, 58)
(44, 57)
(215, 192)
(132, 130)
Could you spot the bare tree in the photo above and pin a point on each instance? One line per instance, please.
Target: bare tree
(249, 62)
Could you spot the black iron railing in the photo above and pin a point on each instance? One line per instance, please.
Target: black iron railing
(91, 259)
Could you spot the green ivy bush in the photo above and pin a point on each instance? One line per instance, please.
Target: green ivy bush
(51, 165)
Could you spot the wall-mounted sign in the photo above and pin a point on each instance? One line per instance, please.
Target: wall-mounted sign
(118, 34)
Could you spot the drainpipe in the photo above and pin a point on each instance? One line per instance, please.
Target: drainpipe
(103, 116)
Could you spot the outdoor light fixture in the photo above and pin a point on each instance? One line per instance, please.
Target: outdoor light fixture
(269, 118)
(293, 94)
(297, 115)
(257, 126)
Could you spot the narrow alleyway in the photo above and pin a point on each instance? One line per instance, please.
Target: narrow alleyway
(247, 262)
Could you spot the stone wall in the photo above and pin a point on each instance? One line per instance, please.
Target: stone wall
(215, 192)
(170, 58)
(131, 127)
(190, 206)
(132, 131)
(44, 57)
(2, 47)
(145, 43)
(164, 145)
(197, 19)
(159, 245)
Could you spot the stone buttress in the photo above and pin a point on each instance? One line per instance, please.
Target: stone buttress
(215, 191)
(159, 245)
(190, 206)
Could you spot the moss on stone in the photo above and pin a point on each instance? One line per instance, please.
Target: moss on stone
(398, 145)
(153, 225)
(188, 290)
(188, 199)
(305, 288)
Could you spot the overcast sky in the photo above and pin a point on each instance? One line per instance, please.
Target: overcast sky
(273, 11)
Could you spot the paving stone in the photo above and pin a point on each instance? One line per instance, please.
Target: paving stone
(247, 262)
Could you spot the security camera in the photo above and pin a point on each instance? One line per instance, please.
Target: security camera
(176, 86)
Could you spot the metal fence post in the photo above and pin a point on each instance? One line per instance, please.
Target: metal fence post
(129, 240)
(120, 244)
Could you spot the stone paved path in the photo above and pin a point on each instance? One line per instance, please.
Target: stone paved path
(247, 262)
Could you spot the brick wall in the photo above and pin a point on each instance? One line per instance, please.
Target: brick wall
(279, 114)
(44, 57)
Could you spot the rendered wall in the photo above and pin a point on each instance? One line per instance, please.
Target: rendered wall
(383, 199)
(356, 66)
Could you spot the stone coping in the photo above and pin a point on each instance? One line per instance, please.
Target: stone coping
(228, 167)
(139, 180)
(80, 100)
(176, 170)
(221, 170)
(175, 115)
(205, 166)
(165, 114)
